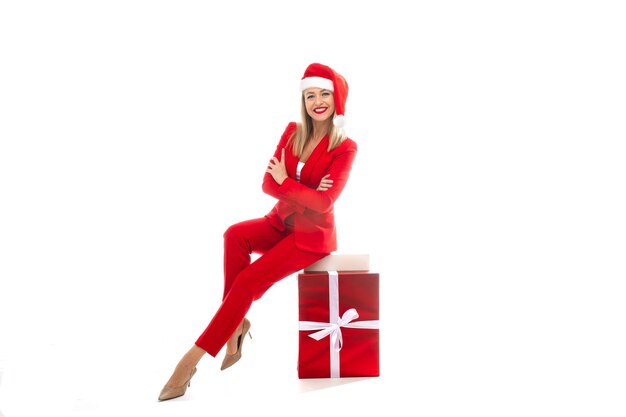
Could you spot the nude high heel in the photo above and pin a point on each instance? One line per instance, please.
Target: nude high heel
(167, 393)
(230, 360)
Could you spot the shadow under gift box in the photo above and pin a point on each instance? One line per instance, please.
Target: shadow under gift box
(358, 341)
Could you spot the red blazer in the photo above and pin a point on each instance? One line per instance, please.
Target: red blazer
(314, 217)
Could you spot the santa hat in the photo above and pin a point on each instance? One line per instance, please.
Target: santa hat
(321, 76)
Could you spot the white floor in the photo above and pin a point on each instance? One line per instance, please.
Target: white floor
(444, 352)
(258, 384)
(78, 370)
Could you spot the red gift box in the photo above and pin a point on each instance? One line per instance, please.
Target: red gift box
(339, 330)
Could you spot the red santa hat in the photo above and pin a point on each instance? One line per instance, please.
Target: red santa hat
(322, 76)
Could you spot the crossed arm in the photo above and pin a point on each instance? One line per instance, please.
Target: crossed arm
(278, 171)
(279, 185)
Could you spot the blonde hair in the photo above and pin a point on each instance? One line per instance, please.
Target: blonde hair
(303, 133)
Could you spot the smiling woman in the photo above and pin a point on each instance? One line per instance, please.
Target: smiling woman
(306, 175)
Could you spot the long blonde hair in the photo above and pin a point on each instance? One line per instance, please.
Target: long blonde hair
(304, 131)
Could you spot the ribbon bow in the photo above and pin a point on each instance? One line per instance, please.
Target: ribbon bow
(332, 329)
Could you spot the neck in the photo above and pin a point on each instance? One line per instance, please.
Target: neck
(320, 129)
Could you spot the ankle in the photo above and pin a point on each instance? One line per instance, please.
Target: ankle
(193, 356)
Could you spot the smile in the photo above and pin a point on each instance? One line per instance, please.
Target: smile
(320, 110)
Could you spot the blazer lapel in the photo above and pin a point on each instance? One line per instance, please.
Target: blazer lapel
(291, 163)
(317, 153)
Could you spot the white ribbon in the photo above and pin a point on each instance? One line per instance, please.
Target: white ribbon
(333, 328)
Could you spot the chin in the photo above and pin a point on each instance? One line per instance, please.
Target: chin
(321, 119)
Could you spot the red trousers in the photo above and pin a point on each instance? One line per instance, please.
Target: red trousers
(245, 282)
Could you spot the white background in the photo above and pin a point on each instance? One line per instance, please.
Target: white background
(488, 190)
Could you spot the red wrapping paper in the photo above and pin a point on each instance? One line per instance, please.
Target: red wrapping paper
(359, 354)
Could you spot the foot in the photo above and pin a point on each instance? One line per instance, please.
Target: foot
(185, 367)
(180, 375)
(169, 393)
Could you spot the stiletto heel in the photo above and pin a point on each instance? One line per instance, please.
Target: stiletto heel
(167, 393)
(230, 360)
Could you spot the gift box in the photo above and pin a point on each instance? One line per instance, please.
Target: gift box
(338, 327)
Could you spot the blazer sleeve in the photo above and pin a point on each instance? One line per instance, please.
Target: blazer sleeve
(322, 201)
(270, 186)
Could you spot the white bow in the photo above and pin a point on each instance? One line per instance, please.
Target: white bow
(332, 329)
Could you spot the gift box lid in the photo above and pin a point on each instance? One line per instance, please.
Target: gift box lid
(341, 262)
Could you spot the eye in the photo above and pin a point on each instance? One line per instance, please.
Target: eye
(309, 97)
(325, 94)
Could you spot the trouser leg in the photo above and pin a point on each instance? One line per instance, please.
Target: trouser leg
(241, 240)
(282, 260)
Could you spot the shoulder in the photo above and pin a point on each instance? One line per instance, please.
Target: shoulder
(291, 127)
(347, 145)
(288, 132)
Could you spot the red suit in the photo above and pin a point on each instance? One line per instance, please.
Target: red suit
(284, 250)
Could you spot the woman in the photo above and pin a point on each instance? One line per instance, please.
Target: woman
(307, 173)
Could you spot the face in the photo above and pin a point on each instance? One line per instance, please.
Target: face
(319, 103)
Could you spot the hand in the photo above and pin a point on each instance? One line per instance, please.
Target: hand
(325, 183)
(277, 168)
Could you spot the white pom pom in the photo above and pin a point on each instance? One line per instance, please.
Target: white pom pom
(339, 120)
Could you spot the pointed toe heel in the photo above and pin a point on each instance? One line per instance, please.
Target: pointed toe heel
(168, 393)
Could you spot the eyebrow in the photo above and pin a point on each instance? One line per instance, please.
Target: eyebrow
(322, 90)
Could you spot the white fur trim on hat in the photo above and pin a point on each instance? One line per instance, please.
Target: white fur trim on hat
(318, 82)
